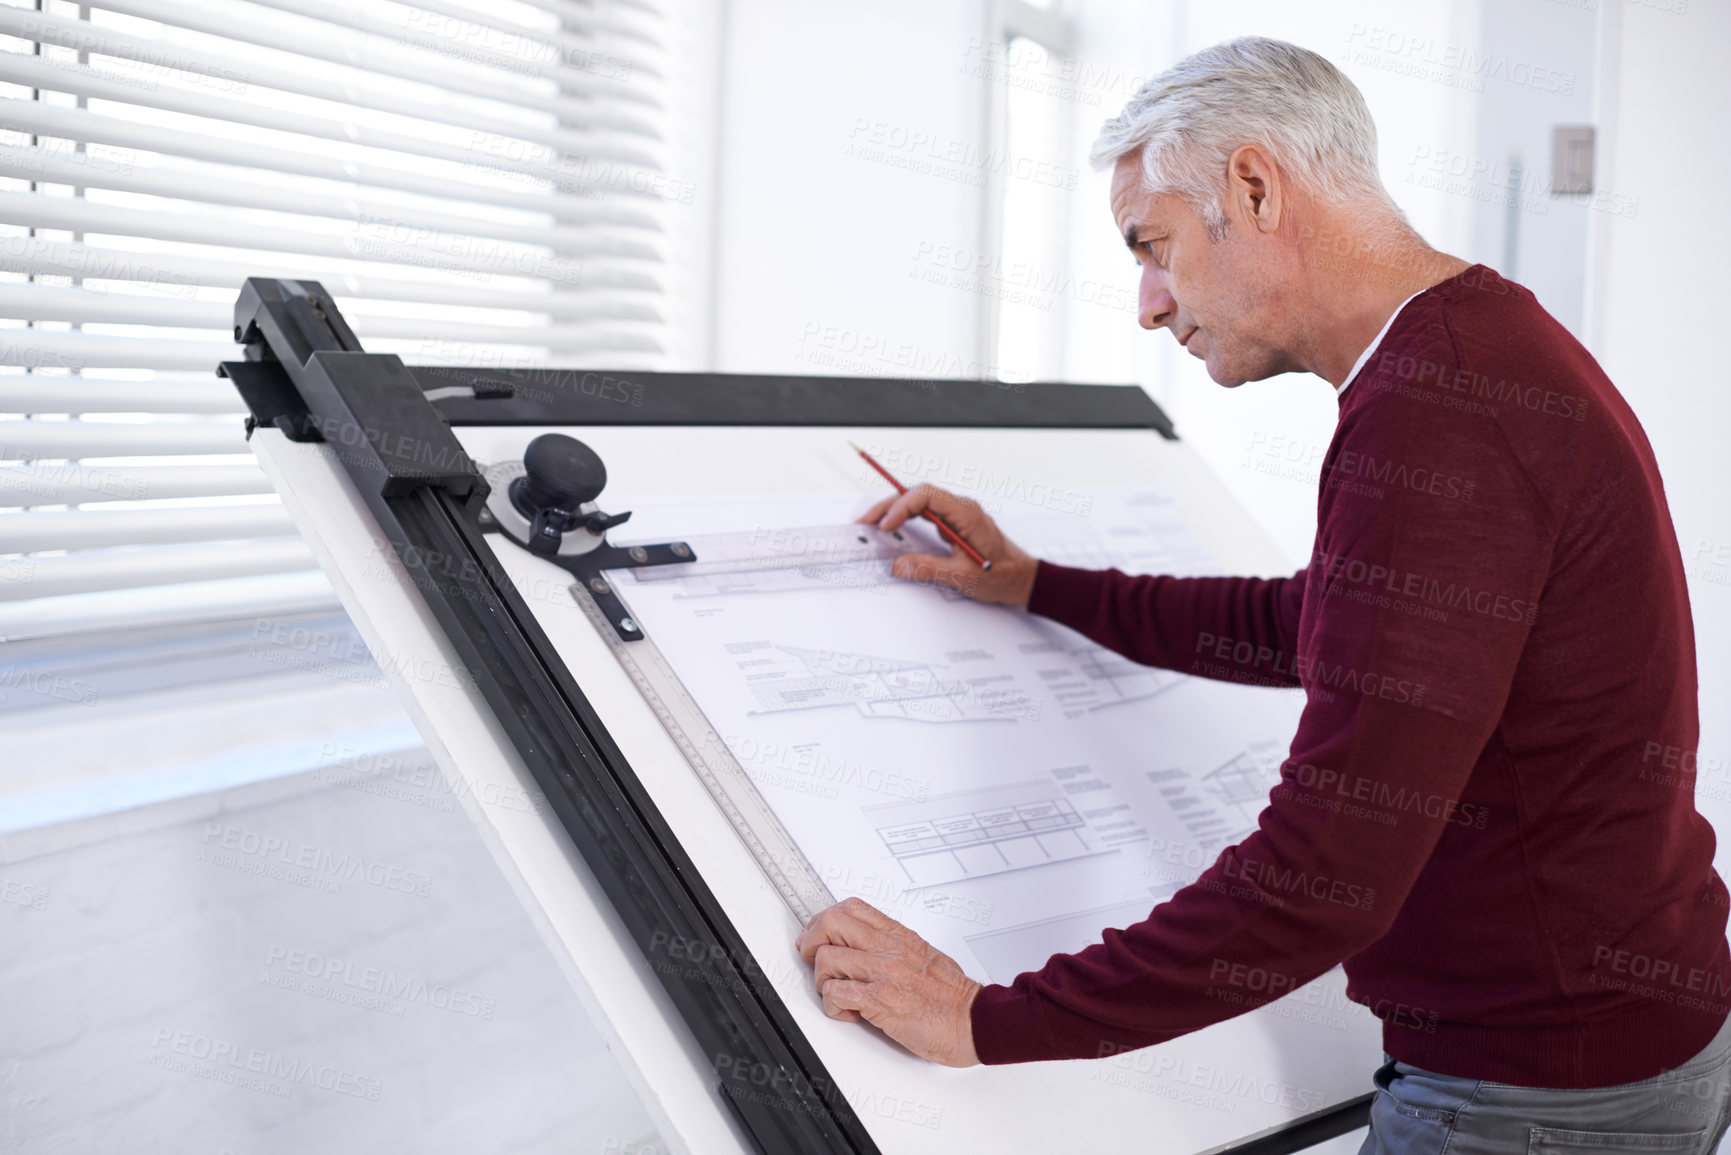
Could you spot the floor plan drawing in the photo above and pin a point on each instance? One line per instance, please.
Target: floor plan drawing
(991, 831)
(1090, 678)
(796, 678)
(1219, 806)
(919, 745)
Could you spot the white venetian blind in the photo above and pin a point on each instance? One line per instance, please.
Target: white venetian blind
(477, 182)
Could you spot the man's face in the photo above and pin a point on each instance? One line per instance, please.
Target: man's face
(1217, 297)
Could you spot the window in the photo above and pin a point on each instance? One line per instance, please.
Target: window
(1030, 178)
(478, 182)
(1035, 213)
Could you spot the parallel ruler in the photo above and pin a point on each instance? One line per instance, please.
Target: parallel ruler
(831, 548)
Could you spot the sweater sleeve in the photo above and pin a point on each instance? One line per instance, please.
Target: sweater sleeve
(1404, 588)
(1233, 629)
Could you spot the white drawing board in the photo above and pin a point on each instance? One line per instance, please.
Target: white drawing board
(989, 778)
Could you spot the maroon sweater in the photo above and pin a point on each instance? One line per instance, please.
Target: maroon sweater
(1488, 809)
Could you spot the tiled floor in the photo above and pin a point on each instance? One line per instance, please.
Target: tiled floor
(294, 967)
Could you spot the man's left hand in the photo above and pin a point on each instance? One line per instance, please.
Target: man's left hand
(868, 965)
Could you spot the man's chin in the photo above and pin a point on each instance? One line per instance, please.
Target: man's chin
(1226, 376)
(1230, 375)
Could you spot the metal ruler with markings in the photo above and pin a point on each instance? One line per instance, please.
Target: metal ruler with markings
(791, 552)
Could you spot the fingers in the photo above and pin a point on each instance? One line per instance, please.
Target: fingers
(842, 962)
(852, 923)
(929, 567)
(903, 506)
(837, 926)
(876, 512)
(832, 927)
(868, 914)
(843, 969)
(957, 571)
(848, 1000)
(958, 511)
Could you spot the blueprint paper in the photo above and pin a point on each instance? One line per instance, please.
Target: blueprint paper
(993, 780)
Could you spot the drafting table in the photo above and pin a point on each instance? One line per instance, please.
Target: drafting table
(665, 921)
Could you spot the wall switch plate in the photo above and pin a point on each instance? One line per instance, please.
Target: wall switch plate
(1572, 159)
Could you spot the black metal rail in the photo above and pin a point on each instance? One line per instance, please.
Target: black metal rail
(306, 375)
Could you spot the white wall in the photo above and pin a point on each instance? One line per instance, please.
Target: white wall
(838, 191)
(1266, 439)
(1541, 53)
(1658, 302)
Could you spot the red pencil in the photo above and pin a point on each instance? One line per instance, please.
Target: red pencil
(942, 525)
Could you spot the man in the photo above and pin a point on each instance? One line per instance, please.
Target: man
(1547, 949)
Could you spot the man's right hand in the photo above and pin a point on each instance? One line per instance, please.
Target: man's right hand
(1008, 582)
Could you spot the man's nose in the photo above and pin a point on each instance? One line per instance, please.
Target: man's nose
(1154, 304)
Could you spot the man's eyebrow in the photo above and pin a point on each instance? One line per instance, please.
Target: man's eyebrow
(1130, 237)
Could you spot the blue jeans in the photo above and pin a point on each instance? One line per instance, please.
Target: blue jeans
(1418, 1112)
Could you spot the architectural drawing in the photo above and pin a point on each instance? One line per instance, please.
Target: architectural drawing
(958, 836)
(1001, 784)
(795, 678)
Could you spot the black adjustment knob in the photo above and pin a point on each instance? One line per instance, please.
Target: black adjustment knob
(560, 473)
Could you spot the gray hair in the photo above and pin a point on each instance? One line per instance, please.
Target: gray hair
(1188, 120)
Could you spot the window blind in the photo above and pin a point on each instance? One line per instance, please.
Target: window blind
(478, 182)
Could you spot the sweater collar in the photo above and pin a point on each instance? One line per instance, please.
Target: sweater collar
(1371, 348)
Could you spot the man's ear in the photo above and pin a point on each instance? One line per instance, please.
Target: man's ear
(1254, 189)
